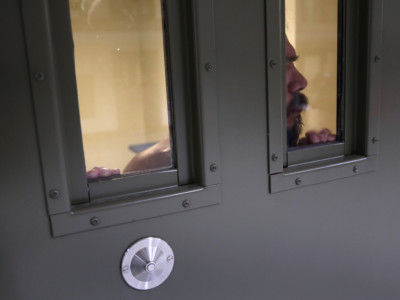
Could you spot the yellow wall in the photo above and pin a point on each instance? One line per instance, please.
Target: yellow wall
(312, 29)
(120, 71)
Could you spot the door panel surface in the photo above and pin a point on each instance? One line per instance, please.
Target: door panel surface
(335, 240)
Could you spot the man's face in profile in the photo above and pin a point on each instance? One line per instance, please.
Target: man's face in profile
(296, 102)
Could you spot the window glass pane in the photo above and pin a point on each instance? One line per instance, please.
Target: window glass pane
(122, 86)
(311, 71)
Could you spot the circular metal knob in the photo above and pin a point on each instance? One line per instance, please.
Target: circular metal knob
(147, 263)
(150, 267)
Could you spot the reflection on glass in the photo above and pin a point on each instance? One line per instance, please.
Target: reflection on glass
(311, 71)
(121, 79)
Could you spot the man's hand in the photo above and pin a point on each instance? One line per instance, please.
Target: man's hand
(314, 137)
(97, 172)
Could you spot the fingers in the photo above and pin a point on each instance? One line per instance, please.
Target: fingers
(323, 135)
(92, 174)
(302, 142)
(314, 137)
(331, 137)
(327, 136)
(97, 172)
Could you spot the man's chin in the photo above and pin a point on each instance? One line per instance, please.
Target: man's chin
(291, 119)
(294, 127)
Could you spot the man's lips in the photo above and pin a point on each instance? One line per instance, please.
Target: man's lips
(297, 103)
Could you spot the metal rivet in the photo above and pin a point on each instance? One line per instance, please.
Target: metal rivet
(125, 269)
(54, 193)
(274, 157)
(273, 64)
(39, 76)
(213, 167)
(170, 258)
(355, 169)
(297, 181)
(374, 140)
(186, 203)
(209, 67)
(95, 221)
(377, 59)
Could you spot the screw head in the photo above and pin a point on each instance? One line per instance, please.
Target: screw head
(209, 67)
(39, 76)
(213, 167)
(186, 203)
(377, 59)
(374, 140)
(170, 258)
(125, 269)
(355, 169)
(298, 181)
(95, 221)
(274, 157)
(273, 64)
(54, 193)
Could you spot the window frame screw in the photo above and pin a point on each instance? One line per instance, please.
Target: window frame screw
(186, 203)
(213, 167)
(298, 181)
(95, 221)
(377, 59)
(374, 140)
(355, 169)
(39, 76)
(273, 64)
(209, 67)
(274, 157)
(54, 193)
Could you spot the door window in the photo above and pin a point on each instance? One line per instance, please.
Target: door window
(312, 72)
(323, 83)
(121, 74)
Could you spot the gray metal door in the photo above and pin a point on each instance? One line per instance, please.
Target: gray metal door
(332, 240)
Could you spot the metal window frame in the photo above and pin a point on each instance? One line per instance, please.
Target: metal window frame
(362, 91)
(49, 44)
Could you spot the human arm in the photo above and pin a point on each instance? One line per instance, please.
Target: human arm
(157, 156)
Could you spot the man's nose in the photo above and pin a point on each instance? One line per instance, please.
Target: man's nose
(298, 81)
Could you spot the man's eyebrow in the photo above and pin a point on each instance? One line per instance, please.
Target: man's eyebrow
(292, 58)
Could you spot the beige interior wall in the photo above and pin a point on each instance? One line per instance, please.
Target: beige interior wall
(290, 15)
(312, 29)
(119, 58)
